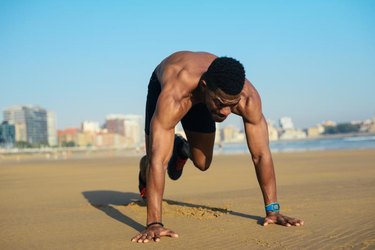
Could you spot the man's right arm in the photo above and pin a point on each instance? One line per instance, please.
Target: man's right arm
(161, 143)
(166, 116)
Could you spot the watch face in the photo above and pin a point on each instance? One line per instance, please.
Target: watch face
(274, 207)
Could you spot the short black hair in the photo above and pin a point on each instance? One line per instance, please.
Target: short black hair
(227, 74)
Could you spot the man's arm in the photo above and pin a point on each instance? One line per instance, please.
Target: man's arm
(258, 143)
(257, 140)
(167, 114)
(161, 143)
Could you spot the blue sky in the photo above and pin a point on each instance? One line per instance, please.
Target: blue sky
(310, 60)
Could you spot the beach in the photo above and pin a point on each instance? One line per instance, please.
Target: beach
(93, 203)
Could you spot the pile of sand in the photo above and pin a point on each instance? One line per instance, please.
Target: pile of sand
(181, 209)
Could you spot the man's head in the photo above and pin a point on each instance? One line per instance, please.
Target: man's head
(227, 74)
(224, 81)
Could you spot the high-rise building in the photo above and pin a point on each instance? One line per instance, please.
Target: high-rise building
(16, 116)
(372, 126)
(36, 125)
(7, 135)
(218, 140)
(232, 134)
(273, 134)
(51, 124)
(90, 126)
(129, 126)
(115, 124)
(133, 130)
(286, 123)
(30, 123)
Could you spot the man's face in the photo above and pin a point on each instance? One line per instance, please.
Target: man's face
(220, 104)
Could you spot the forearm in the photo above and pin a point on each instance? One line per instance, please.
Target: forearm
(266, 178)
(155, 190)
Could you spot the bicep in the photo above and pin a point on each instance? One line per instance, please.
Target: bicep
(162, 126)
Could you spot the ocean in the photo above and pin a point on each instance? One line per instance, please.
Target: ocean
(341, 143)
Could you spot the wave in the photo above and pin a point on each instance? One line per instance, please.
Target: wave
(360, 138)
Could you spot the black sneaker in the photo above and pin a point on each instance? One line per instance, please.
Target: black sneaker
(179, 157)
(142, 183)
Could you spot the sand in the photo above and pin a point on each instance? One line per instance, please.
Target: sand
(92, 203)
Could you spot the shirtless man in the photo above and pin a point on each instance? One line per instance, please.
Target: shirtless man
(199, 89)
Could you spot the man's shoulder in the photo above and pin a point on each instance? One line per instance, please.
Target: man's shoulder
(250, 107)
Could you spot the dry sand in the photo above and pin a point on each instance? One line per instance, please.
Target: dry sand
(93, 203)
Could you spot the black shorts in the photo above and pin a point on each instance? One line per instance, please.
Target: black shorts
(198, 119)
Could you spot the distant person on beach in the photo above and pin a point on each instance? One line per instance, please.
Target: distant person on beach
(199, 89)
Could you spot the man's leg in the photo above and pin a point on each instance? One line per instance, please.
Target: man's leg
(143, 164)
(198, 148)
(201, 148)
(143, 169)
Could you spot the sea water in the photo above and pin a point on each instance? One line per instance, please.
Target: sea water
(341, 143)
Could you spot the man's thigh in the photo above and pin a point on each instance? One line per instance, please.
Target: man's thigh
(201, 148)
(200, 131)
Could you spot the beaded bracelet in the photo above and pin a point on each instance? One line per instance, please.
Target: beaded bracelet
(155, 223)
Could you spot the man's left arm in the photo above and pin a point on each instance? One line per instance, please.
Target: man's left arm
(257, 141)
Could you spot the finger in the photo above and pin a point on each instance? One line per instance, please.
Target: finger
(299, 222)
(135, 238)
(172, 234)
(148, 238)
(295, 222)
(287, 221)
(282, 221)
(157, 237)
(169, 233)
(268, 221)
(143, 239)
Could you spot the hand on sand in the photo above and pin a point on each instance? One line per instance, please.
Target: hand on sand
(276, 218)
(153, 233)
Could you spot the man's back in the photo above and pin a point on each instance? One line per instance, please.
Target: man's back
(184, 66)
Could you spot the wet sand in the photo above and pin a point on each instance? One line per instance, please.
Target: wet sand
(92, 203)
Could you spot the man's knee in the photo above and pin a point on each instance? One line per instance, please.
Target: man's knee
(202, 164)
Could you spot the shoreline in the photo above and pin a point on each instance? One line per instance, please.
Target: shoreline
(280, 146)
(39, 157)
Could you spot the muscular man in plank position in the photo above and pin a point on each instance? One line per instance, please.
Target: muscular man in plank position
(199, 89)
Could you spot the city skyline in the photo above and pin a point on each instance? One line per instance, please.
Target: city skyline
(83, 60)
(283, 122)
(32, 126)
